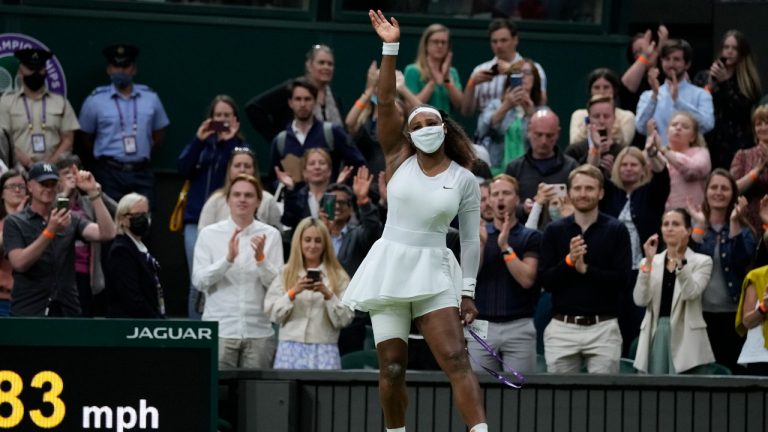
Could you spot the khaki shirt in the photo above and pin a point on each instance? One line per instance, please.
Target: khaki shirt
(59, 118)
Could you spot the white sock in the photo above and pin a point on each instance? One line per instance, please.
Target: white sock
(400, 429)
(480, 427)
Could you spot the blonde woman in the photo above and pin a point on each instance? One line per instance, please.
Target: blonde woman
(687, 159)
(305, 301)
(431, 77)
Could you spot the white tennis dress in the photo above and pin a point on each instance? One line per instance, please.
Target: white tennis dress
(411, 261)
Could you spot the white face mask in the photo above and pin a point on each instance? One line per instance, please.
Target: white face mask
(428, 139)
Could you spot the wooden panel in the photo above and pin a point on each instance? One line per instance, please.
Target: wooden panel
(358, 405)
(341, 405)
(374, 421)
(510, 412)
(443, 416)
(527, 416)
(649, 411)
(630, 410)
(737, 412)
(666, 411)
(579, 412)
(597, 417)
(684, 409)
(493, 406)
(561, 414)
(756, 412)
(545, 410)
(426, 409)
(719, 409)
(702, 417)
(324, 409)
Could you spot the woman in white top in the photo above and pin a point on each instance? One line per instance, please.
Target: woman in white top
(235, 262)
(409, 274)
(216, 209)
(305, 301)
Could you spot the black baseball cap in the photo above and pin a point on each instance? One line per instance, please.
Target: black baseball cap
(43, 171)
(121, 55)
(33, 58)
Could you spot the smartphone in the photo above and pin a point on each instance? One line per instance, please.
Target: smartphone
(329, 205)
(514, 80)
(723, 60)
(62, 202)
(495, 69)
(313, 274)
(219, 126)
(561, 190)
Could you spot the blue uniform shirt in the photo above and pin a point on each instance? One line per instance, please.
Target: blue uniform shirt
(101, 113)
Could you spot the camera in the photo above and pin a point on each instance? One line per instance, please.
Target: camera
(219, 126)
(329, 205)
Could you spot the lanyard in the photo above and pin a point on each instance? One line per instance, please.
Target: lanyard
(29, 113)
(499, 377)
(135, 115)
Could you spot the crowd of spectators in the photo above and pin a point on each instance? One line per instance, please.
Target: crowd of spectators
(644, 238)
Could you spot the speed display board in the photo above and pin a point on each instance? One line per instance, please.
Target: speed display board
(107, 375)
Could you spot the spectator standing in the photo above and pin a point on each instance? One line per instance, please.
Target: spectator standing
(735, 87)
(585, 264)
(687, 160)
(673, 336)
(721, 231)
(751, 321)
(123, 122)
(14, 197)
(132, 273)
(604, 82)
(487, 80)
(203, 162)
(235, 262)
(270, 113)
(603, 144)
(676, 94)
(432, 77)
(748, 167)
(40, 244)
(307, 306)
(506, 291)
(41, 124)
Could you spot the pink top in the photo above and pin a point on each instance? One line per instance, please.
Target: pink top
(688, 176)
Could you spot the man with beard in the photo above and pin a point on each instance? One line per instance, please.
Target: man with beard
(677, 93)
(486, 211)
(123, 122)
(306, 131)
(585, 264)
(40, 124)
(506, 292)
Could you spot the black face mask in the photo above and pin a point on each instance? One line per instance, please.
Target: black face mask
(139, 224)
(34, 82)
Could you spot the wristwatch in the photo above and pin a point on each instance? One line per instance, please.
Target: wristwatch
(507, 251)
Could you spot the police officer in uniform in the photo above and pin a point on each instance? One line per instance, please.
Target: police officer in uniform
(38, 124)
(123, 122)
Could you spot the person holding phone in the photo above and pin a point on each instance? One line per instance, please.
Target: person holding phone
(503, 124)
(604, 82)
(39, 242)
(603, 144)
(688, 160)
(673, 336)
(735, 86)
(235, 262)
(305, 300)
(410, 275)
(203, 162)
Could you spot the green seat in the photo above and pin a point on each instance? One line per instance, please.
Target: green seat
(626, 366)
(364, 359)
(633, 348)
(709, 369)
(369, 343)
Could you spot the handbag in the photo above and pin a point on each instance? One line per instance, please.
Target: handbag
(177, 216)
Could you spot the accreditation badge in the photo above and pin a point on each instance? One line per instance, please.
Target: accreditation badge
(38, 143)
(129, 144)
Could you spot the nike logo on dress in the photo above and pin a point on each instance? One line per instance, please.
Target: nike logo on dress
(446, 187)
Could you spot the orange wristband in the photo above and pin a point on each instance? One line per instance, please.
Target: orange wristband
(48, 234)
(291, 294)
(569, 261)
(643, 60)
(593, 152)
(645, 269)
(510, 257)
(765, 227)
(753, 175)
(698, 230)
(359, 104)
(470, 82)
(363, 202)
(762, 308)
(260, 258)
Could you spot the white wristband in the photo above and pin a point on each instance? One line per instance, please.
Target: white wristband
(390, 48)
(468, 288)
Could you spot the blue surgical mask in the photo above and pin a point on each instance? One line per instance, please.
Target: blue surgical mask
(428, 139)
(554, 213)
(121, 80)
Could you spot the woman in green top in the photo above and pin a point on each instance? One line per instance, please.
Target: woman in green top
(431, 77)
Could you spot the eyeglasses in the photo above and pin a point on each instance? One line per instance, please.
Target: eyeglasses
(15, 187)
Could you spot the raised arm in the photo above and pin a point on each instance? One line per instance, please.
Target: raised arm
(389, 123)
